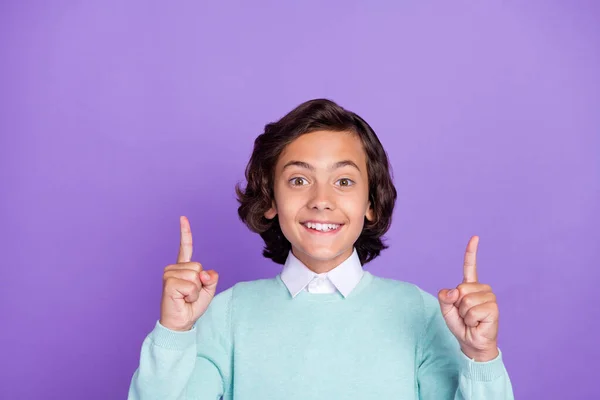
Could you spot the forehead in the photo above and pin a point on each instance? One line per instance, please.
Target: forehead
(324, 147)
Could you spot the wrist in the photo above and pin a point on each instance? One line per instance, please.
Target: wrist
(174, 327)
(175, 340)
(481, 355)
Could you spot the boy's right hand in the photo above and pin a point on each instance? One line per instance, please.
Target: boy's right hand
(187, 288)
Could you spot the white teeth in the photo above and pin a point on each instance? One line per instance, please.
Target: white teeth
(321, 227)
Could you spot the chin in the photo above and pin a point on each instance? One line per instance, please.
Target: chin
(321, 253)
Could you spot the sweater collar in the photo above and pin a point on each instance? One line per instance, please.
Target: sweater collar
(296, 276)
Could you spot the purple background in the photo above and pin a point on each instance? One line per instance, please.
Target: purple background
(117, 117)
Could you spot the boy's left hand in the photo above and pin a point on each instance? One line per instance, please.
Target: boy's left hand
(471, 311)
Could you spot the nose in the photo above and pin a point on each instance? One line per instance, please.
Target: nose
(321, 198)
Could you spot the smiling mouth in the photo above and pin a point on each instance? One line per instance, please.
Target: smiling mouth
(317, 227)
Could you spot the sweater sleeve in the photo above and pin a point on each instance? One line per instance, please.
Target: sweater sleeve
(188, 365)
(444, 372)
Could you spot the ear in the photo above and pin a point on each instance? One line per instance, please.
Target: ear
(271, 212)
(370, 214)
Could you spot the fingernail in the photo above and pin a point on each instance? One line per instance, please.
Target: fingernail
(205, 275)
(451, 293)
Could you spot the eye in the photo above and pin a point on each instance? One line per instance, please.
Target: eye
(345, 182)
(298, 181)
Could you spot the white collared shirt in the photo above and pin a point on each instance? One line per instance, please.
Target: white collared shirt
(343, 278)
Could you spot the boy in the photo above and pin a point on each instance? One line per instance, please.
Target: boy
(320, 194)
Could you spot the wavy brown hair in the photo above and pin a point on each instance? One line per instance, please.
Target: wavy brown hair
(257, 197)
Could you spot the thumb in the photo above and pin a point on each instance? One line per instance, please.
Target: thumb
(447, 298)
(453, 319)
(209, 281)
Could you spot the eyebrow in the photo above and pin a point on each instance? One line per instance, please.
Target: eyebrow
(305, 165)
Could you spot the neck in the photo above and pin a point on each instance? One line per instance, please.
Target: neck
(319, 266)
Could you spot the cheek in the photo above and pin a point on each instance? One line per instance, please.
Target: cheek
(287, 207)
(354, 206)
(287, 219)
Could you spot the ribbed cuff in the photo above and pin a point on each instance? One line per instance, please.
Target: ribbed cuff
(482, 371)
(174, 340)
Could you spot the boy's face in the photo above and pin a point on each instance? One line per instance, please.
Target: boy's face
(322, 196)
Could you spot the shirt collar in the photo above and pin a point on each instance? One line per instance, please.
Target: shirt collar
(296, 276)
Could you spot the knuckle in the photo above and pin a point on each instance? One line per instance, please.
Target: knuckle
(183, 274)
(168, 282)
(193, 265)
(188, 284)
(494, 307)
(191, 276)
(468, 301)
(195, 289)
(169, 267)
(470, 313)
(464, 288)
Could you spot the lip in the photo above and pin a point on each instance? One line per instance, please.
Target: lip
(314, 221)
(321, 233)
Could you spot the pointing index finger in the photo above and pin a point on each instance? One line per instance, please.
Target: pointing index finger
(470, 263)
(185, 242)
